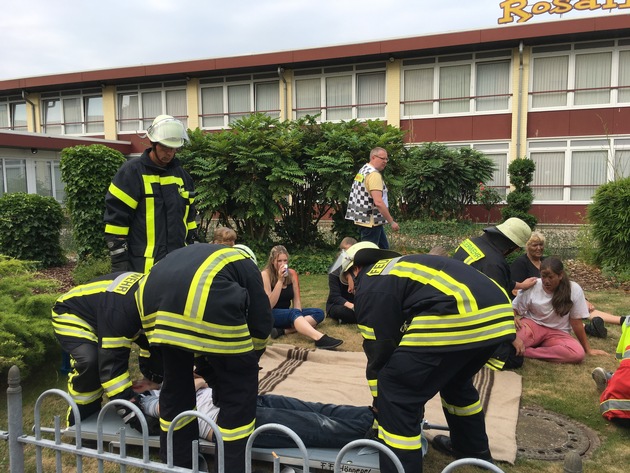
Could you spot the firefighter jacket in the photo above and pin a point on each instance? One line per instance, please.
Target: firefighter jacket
(483, 255)
(208, 299)
(428, 303)
(615, 400)
(152, 207)
(360, 203)
(104, 312)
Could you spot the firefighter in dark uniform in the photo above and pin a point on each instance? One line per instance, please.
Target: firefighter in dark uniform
(429, 323)
(96, 323)
(207, 301)
(149, 209)
(487, 254)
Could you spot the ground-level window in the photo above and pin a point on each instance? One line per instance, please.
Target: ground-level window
(40, 176)
(572, 170)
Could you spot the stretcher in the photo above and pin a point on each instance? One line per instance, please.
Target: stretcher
(356, 460)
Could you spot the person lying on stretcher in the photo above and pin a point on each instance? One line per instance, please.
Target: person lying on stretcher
(318, 425)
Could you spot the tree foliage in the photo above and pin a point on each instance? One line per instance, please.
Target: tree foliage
(609, 215)
(87, 172)
(265, 177)
(438, 182)
(519, 201)
(30, 227)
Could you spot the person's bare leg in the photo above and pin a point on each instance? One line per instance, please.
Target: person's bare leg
(303, 326)
(606, 317)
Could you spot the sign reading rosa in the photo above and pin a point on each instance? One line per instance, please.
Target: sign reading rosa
(518, 8)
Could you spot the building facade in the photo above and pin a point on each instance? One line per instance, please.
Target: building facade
(556, 92)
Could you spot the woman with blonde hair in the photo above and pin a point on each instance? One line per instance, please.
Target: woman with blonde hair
(283, 289)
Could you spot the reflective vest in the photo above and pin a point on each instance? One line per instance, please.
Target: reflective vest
(615, 400)
(360, 203)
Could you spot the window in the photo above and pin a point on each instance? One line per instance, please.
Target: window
(14, 175)
(460, 84)
(138, 105)
(72, 112)
(13, 114)
(48, 180)
(580, 74)
(571, 171)
(227, 99)
(341, 92)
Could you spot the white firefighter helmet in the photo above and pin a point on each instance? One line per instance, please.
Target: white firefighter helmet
(167, 131)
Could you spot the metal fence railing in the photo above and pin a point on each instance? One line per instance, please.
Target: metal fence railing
(42, 441)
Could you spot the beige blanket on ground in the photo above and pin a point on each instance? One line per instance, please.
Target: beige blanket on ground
(339, 378)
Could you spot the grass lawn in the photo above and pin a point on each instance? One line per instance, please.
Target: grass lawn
(564, 389)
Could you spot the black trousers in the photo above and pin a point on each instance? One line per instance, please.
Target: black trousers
(341, 312)
(235, 388)
(408, 381)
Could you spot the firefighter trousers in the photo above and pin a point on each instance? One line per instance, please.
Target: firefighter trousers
(408, 381)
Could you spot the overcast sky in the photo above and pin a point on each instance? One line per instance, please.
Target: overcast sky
(41, 37)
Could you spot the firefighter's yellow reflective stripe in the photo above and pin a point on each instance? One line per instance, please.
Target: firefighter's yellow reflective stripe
(462, 411)
(238, 433)
(366, 332)
(437, 338)
(202, 280)
(443, 282)
(144, 353)
(83, 398)
(116, 342)
(259, 343)
(124, 282)
(474, 252)
(149, 205)
(72, 320)
(199, 344)
(622, 351)
(373, 384)
(495, 364)
(399, 441)
(139, 298)
(181, 423)
(118, 384)
(169, 180)
(148, 264)
(116, 230)
(86, 290)
(615, 405)
(191, 225)
(123, 196)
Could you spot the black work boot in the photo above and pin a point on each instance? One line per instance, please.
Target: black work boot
(442, 443)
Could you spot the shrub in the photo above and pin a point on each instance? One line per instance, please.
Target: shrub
(30, 227)
(26, 333)
(87, 172)
(519, 201)
(90, 268)
(609, 215)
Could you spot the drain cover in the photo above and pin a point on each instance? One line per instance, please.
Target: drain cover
(544, 435)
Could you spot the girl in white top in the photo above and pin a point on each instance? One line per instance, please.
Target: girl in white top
(550, 310)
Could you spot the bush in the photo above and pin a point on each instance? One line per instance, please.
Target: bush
(609, 215)
(90, 268)
(26, 334)
(30, 227)
(87, 172)
(519, 201)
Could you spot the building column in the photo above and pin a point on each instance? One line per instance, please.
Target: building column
(110, 127)
(392, 92)
(192, 103)
(520, 102)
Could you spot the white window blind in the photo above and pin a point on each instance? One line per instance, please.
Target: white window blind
(339, 98)
(212, 106)
(72, 116)
(418, 89)
(43, 176)
(550, 78)
(371, 95)
(94, 114)
(455, 89)
(238, 102)
(15, 175)
(151, 107)
(624, 76)
(492, 82)
(549, 176)
(176, 105)
(308, 97)
(622, 164)
(52, 117)
(128, 112)
(267, 98)
(4, 115)
(499, 175)
(592, 71)
(588, 171)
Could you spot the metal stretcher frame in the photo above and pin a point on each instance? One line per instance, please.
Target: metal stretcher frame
(357, 460)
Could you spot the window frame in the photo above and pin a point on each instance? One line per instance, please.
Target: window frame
(62, 125)
(574, 52)
(223, 86)
(355, 73)
(142, 119)
(10, 113)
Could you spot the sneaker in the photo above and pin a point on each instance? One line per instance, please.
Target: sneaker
(601, 379)
(328, 343)
(596, 328)
(276, 332)
(572, 463)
